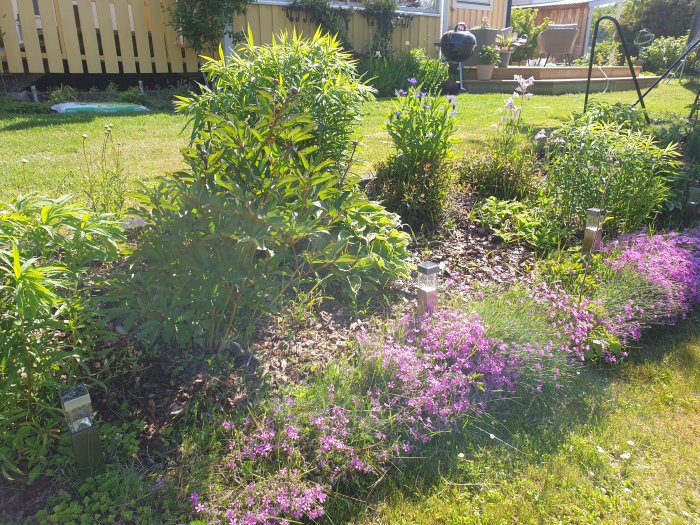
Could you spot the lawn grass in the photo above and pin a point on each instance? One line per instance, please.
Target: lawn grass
(52, 144)
(565, 459)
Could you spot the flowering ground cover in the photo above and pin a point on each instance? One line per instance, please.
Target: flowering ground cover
(252, 344)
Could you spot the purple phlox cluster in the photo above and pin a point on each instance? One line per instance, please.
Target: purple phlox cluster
(442, 369)
(671, 261)
(579, 322)
(260, 441)
(278, 500)
(196, 504)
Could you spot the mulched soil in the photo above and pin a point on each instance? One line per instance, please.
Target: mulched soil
(283, 351)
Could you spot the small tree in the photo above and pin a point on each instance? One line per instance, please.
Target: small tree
(203, 22)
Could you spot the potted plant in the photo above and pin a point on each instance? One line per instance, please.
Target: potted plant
(488, 58)
(505, 44)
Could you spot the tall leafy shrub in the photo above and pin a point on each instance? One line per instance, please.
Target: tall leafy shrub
(663, 53)
(606, 166)
(388, 74)
(318, 69)
(47, 319)
(415, 180)
(262, 213)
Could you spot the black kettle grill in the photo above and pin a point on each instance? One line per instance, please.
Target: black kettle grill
(457, 46)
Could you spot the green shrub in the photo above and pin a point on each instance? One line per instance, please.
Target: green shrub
(522, 222)
(489, 173)
(47, 319)
(600, 165)
(61, 94)
(389, 74)
(625, 115)
(133, 95)
(14, 107)
(661, 17)
(262, 213)
(415, 181)
(489, 55)
(507, 168)
(318, 69)
(663, 53)
(607, 53)
(523, 22)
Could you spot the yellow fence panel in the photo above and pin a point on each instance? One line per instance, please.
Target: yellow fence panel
(88, 30)
(49, 27)
(30, 36)
(10, 36)
(130, 36)
(156, 26)
(126, 44)
(69, 36)
(143, 49)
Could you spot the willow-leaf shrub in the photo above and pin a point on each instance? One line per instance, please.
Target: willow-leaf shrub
(415, 180)
(261, 213)
(324, 75)
(601, 165)
(48, 321)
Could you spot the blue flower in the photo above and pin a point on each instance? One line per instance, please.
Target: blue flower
(400, 93)
(412, 81)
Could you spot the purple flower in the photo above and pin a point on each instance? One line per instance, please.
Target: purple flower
(400, 92)
(412, 80)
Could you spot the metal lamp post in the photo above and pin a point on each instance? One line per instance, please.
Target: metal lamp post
(593, 235)
(427, 284)
(77, 408)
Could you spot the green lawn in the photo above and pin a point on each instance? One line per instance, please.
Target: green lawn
(618, 447)
(52, 144)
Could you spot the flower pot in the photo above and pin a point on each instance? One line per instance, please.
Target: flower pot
(484, 71)
(505, 59)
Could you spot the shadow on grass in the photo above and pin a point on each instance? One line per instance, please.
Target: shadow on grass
(24, 122)
(521, 432)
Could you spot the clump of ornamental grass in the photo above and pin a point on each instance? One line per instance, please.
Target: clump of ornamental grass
(670, 262)
(422, 377)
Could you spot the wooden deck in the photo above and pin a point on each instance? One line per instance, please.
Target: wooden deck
(557, 80)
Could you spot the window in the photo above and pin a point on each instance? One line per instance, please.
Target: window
(474, 4)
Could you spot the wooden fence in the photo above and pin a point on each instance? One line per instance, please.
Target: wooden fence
(135, 36)
(91, 36)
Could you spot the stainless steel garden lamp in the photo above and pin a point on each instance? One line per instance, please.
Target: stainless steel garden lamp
(427, 284)
(77, 408)
(593, 235)
(691, 207)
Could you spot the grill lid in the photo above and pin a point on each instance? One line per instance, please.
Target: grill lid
(457, 45)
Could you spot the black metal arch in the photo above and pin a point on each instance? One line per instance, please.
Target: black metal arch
(640, 97)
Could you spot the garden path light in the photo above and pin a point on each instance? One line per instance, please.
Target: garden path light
(691, 207)
(427, 283)
(593, 235)
(77, 408)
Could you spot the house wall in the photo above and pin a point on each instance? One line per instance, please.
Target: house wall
(472, 17)
(268, 19)
(571, 14)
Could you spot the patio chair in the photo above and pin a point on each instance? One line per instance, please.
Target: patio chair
(557, 40)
